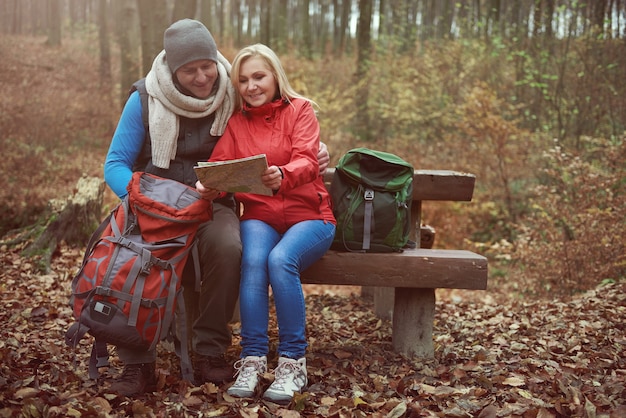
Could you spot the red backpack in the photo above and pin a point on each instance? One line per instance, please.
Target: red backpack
(128, 288)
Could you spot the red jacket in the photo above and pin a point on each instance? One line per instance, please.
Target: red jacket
(288, 134)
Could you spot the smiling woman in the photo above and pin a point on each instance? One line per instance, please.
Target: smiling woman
(281, 234)
(256, 82)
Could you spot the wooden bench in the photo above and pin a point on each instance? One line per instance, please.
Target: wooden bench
(414, 273)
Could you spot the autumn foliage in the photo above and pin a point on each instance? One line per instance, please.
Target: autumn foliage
(544, 135)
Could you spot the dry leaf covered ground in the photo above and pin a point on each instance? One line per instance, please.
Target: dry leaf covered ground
(494, 358)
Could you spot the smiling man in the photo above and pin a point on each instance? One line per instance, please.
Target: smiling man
(172, 119)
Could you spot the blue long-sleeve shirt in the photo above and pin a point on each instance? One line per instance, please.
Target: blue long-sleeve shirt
(125, 146)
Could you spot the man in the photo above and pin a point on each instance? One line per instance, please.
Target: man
(185, 102)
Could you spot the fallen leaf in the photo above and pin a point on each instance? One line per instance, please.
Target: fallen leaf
(340, 354)
(398, 411)
(26, 393)
(514, 381)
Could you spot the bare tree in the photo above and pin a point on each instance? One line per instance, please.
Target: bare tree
(252, 17)
(281, 34)
(266, 23)
(405, 23)
(306, 48)
(13, 17)
(126, 21)
(54, 27)
(323, 34)
(207, 14)
(364, 40)
(238, 21)
(153, 22)
(342, 20)
(103, 36)
(184, 9)
(78, 14)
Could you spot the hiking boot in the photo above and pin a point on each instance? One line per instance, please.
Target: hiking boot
(290, 377)
(213, 369)
(249, 370)
(136, 379)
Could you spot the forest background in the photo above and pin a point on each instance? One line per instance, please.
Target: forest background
(528, 95)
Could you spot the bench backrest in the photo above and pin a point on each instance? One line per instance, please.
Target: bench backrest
(447, 185)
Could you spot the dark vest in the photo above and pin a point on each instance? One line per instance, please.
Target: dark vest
(195, 143)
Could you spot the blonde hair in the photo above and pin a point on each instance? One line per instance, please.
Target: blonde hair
(276, 68)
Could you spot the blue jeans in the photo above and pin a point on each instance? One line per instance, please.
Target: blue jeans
(273, 259)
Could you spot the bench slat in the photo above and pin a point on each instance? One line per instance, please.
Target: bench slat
(420, 268)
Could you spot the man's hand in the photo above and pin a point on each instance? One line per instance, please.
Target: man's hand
(208, 194)
(323, 158)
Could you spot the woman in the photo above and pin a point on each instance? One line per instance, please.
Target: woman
(281, 234)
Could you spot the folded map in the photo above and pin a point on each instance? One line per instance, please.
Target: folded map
(242, 175)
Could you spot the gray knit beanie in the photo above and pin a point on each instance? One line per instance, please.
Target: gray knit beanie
(188, 40)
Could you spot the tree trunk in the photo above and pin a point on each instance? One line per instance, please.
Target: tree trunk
(344, 33)
(73, 222)
(361, 126)
(184, 9)
(266, 23)
(153, 22)
(207, 16)
(126, 24)
(306, 48)
(105, 49)
(238, 20)
(54, 26)
(281, 34)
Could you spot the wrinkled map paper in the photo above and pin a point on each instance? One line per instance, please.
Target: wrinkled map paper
(234, 176)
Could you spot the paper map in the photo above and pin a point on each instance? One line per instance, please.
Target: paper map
(234, 176)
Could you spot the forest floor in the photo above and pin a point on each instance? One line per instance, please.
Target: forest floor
(495, 354)
(494, 357)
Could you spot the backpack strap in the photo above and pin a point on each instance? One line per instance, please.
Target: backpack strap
(99, 351)
(99, 358)
(181, 338)
(195, 259)
(368, 216)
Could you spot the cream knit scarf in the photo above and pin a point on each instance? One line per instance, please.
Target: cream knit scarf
(166, 104)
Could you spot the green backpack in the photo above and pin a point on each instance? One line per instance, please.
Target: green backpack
(372, 193)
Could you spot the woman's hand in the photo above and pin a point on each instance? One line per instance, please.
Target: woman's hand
(272, 178)
(208, 194)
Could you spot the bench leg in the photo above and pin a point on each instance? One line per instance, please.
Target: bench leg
(383, 302)
(413, 316)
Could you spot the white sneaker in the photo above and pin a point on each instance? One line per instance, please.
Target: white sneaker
(249, 369)
(290, 377)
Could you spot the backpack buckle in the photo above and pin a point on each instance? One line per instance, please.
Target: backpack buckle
(369, 194)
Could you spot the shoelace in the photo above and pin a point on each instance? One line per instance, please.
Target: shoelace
(246, 367)
(283, 371)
